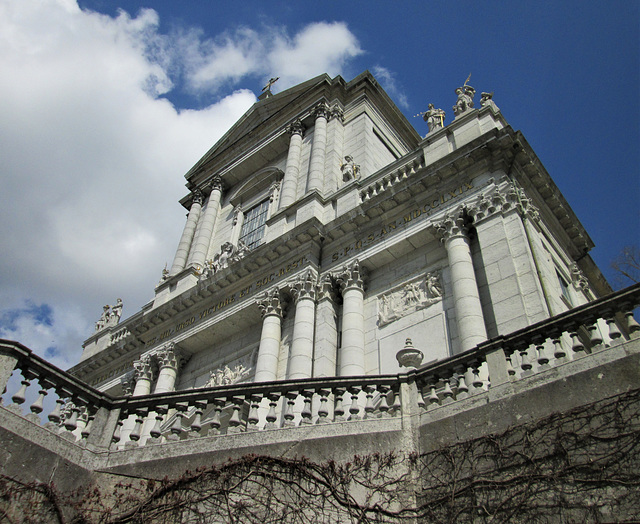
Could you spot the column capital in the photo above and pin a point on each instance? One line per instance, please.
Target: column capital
(305, 286)
(352, 276)
(449, 227)
(197, 197)
(326, 288)
(216, 183)
(337, 113)
(143, 369)
(271, 303)
(170, 356)
(499, 200)
(321, 110)
(296, 127)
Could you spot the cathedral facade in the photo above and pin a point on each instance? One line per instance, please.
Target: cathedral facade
(324, 236)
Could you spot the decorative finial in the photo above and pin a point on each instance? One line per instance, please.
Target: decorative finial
(409, 357)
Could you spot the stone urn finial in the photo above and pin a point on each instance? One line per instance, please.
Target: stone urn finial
(409, 357)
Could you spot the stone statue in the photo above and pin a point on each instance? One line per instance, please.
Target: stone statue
(486, 99)
(116, 312)
(350, 170)
(465, 99)
(434, 289)
(104, 318)
(434, 118)
(228, 255)
(221, 260)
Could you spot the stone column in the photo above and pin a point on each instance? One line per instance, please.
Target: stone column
(143, 376)
(269, 351)
(205, 233)
(292, 171)
(318, 148)
(180, 260)
(326, 330)
(301, 356)
(469, 317)
(352, 351)
(169, 359)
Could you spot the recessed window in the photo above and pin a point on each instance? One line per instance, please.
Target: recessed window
(254, 224)
(564, 286)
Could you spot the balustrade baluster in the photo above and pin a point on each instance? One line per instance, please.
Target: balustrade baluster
(136, 432)
(323, 410)
(369, 408)
(55, 418)
(447, 392)
(338, 411)
(196, 425)
(477, 381)
(559, 353)
(118, 431)
(235, 422)
(86, 431)
(383, 407)
(614, 331)
(176, 428)
(462, 390)
(156, 430)
(595, 338)
(288, 413)
(576, 344)
(525, 363)
(20, 396)
(71, 423)
(511, 371)
(306, 414)
(543, 358)
(396, 405)
(632, 325)
(37, 407)
(354, 408)
(272, 416)
(253, 418)
(218, 406)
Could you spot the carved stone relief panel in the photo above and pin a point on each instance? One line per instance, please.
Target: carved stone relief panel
(411, 296)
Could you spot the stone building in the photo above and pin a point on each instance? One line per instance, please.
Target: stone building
(344, 287)
(323, 232)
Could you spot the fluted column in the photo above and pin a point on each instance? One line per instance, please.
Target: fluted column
(352, 351)
(301, 356)
(205, 233)
(318, 149)
(326, 330)
(469, 317)
(169, 359)
(180, 260)
(292, 170)
(269, 351)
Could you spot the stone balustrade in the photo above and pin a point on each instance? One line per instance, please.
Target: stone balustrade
(387, 178)
(93, 419)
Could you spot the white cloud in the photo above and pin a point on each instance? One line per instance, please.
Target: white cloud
(388, 81)
(320, 47)
(93, 158)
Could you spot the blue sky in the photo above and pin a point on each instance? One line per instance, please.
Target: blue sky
(107, 104)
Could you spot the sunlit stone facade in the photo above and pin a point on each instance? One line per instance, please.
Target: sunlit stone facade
(323, 231)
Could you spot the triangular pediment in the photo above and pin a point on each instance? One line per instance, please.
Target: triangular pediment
(255, 122)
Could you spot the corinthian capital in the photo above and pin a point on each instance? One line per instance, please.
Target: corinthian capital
(449, 227)
(352, 276)
(170, 356)
(296, 127)
(271, 303)
(216, 183)
(337, 113)
(197, 197)
(305, 286)
(143, 369)
(499, 200)
(321, 110)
